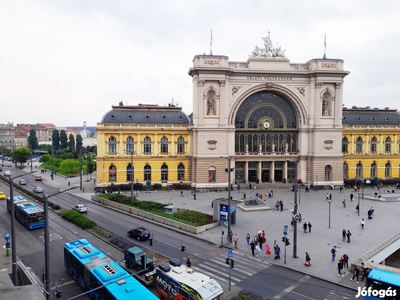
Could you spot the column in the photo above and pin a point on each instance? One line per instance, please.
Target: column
(272, 172)
(285, 170)
(246, 172)
(259, 171)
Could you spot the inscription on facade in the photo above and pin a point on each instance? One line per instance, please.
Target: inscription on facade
(269, 78)
(211, 62)
(329, 66)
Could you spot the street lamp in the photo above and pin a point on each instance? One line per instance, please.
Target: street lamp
(296, 188)
(47, 239)
(131, 175)
(329, 201)
(229, 158)
(13, 244)
(358, 197)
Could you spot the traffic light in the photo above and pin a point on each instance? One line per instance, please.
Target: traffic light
(151, 241)
(227, 261)
(286, 241)
(58, 294)
(232, 263)
(183, 248)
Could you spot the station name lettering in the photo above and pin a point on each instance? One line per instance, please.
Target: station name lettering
(269, 78)
(211, 62)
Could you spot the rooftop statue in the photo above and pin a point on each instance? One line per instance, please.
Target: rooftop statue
(268, 50)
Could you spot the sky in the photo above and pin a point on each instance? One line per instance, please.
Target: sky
(66, 62)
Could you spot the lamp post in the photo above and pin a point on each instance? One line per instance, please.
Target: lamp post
(80, 173)
(229, 158)
(13, 240)
(296, 188)
(47, 240)
(358, 200)
(329, 201)
(31, 159)
(132, 176)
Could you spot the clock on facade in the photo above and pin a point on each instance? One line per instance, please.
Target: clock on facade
(266, 124)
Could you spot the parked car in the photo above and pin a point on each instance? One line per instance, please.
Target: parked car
(139, 233)
(38, 189)
(38, 178)
(2, 195)
(22, 182)
(80, 208)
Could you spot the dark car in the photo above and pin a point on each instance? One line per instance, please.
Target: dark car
(139, 233)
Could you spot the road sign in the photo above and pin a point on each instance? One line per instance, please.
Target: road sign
(7, 235)
(230, 253)
(285, 233)
(285, 228)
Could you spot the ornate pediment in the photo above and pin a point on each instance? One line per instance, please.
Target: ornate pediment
(268, 50)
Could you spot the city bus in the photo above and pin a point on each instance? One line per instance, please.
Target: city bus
(175, 281)
(382, 283)
(27, 213)
(100, 276)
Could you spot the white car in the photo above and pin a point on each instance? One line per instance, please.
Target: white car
(22, 182)
(80, 208)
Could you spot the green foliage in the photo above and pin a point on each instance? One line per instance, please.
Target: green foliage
(22, 155)
(47, 148)
(247, 295)
(55, 140)
(79, 220)
(45, 158)
(194, 217)
(32, 140)
(63, 140)
(79, 143)
(103, 232)
(67, 155)
(71, 142)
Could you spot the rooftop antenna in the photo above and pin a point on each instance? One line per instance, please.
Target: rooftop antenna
(324, 47)
(211, 44)
(172, 101)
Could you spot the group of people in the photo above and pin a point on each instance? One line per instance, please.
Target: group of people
(346, 234)
(342, 263)
(279, 205)
(307, 225)
(370, 212)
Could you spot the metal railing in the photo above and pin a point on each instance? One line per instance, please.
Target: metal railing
(379, 248)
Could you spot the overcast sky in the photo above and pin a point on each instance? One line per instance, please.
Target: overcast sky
(66, 62)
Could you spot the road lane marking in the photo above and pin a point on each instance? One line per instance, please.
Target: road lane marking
(292, 287)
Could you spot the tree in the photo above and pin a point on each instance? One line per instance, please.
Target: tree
(71, 142)
(79, 143)
(63, 140)
(21, 155)
(55, 140)
(90, 165)
(32, 140)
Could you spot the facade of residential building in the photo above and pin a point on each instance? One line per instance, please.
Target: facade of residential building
(7, 136)
(21, 137)
(371, 143)
(143, 143)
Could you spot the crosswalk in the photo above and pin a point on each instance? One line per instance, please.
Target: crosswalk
(245, 267)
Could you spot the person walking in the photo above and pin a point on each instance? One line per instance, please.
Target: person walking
(340, 267)
(235, 240)
(309, 226)
(275, 246)
(357, 208)
(348, 234)
(267, 250)
(308, 260)
(364, 271)
(281, 204)
(344, 202)
(345, 261)
(188, 263)
(252, 247)
(356, 274)
(278, 252)
(362, 223)
(258, 250)
(305, 227)
(333, 251)
(248, 239)
(351, 197)
(344, 234)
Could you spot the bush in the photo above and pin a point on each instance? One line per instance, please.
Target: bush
(247, 295)
(122, 243)
(79, 220)
(195, 217)
(103, 232)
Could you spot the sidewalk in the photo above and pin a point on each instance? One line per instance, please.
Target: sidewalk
(313, 208)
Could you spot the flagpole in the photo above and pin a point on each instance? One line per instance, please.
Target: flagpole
(211, 44)
(324, 47)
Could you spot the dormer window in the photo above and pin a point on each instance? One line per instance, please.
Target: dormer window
(358, 119)
(112, 117)
(147, 118)
(387, 119)
(129, 117)
(372, 119)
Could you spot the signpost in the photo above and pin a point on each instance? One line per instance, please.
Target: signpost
(285, 229)
(230, 254)
(7, 238)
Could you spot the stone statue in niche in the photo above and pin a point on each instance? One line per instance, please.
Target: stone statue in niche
(273, 147)
(286, 147)
(325, 104)
(210, 105)
(247, 148)
(260, 148)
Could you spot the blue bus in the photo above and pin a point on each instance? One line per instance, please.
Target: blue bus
(382, 284)
(27, 213)
(99, 275)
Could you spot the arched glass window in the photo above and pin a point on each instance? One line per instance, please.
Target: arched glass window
(388, 145)
(345, 144)
(164, 172)
(373, 170)
(211, 174)
(112, 174)
(147, 172)
(388, 170)
(164, 145)
(328, 173)
(181, 145)
(345, 171)
(129, 145)
(129, 173)
(359, 170)
(373, 145)
(359, 143)
(181, 172)
(112, 145)
(147, 145)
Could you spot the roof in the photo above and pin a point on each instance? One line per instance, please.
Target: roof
(146, 114)
(370, 117)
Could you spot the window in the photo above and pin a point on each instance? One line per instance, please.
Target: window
(181, 145)
(328, 173)
(388, 144)
(211, 174)
(147, 145)
(112, 174)
(359, 170)
(359, 143)
(147, 172)
(164, 145)
(181, 172)
(164, 172)
(345, 171)
(112, 145)
(373, 145)
(387, 170)
(345, 144)
(129, 145)
(129, 173)
(373, 170)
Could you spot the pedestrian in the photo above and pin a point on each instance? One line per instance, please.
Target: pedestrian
(309, 226)
(258, 250)
(188, 263)
(235, 240)
(83, 189)
(364, 271)
(340, 267)
(252, 247)
(333, 251)
(281, 204)
(344, 202)
(356, 274)
(330, 196)
(362, 223)
(263, 236)
(69, 183)
(244, 196)
(182, 194)
(369, 214)
(308, 260)
(248, 239)
(277, 205)
(94, 181)
(238, 188)
(345, 261)
(305, 227)
(348, 234)
(267, 250)
(249, 186)
(255, 239)
(357, 208)
(275, 246)
(351, 197)
(194, 196)
(278, 252)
